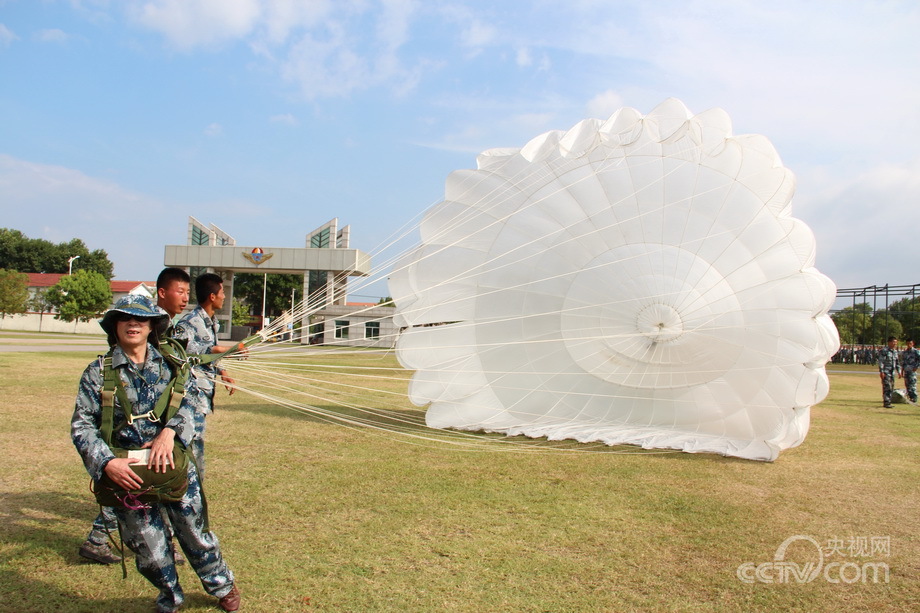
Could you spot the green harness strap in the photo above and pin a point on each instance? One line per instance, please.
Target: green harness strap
(165, 409)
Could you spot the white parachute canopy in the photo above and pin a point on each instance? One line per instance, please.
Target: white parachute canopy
(638, 281)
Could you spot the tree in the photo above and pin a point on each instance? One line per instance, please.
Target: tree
(853, 323)
(239, 315)
(80, 296)
(40, 303)
(19, 252)
(248, 288)
(883, 326)
(386, 301)
(907, 311)
(14, 292)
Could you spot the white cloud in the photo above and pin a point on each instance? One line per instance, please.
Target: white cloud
(846, 73)
(286, 119)
(57, 204)
(192, 23)
(320, 46)
(281, 17)
(477, 34)
(864, 224)
(393, 26)
(523, 57)
(52, 36)
(328, 67)
(604, 104)
(214, 130)
(6, 36)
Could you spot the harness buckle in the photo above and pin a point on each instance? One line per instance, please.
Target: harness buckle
(148, 415)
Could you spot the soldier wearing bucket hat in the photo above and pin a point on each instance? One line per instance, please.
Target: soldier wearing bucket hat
(139, 307)
(96, 546)
(134, 361)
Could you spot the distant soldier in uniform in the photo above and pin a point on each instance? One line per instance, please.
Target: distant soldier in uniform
(888, 365)
(133, 325)
(910, 361)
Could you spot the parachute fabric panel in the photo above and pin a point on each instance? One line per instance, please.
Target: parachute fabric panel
(638, 281)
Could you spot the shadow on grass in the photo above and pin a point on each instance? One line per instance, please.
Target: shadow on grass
(36, 536)
(36, 523)
(25, 595)
(34, 526)
(897, 410)
(411, 422)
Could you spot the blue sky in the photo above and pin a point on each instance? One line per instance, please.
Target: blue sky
(122, 117)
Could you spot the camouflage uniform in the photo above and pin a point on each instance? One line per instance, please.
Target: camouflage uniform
(106, 523)
(888, 366)
(910, 361)
(200, 331)
(143, 530)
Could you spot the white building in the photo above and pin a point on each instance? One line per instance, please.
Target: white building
(326, 263)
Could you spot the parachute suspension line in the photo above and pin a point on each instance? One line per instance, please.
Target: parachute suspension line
(391, 422)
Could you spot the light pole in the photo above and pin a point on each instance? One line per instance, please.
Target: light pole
(264, 290)
(70, 264)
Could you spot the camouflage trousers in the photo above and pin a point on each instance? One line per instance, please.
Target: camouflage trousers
(887, 388)
(910, 382)
(106, 523)
(145, 533)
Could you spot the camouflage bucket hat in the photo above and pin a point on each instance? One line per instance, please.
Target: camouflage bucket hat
(138, 306)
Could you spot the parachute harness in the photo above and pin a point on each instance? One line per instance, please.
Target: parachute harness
(166, 407)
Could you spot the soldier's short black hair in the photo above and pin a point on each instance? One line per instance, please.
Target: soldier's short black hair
(205, 285)
(168, 275)
(892, 338)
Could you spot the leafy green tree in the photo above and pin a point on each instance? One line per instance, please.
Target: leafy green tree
(386, 301)
(240, 315)
(907, 311)
(854, 323)
(80, 296)
(19, 252)
(248, 288)
(883, 326)
(39, 303)
(14, 292)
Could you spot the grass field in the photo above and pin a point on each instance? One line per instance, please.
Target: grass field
(314, 516)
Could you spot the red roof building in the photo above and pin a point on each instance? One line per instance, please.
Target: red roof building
(41, 280)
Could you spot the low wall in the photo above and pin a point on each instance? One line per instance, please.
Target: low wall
(45, 322)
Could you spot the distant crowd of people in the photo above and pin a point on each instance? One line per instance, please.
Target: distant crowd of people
(857, 354)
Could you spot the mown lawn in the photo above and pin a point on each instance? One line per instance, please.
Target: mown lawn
(314, 516)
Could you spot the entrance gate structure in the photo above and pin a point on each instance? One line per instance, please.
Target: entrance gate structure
(325, 262)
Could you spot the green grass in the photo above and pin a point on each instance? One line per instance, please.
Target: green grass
(314, 516)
